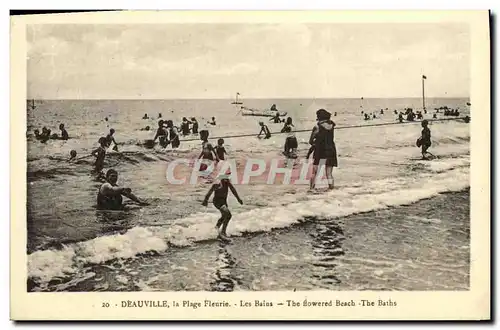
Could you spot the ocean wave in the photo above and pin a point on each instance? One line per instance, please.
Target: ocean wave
(45, 265)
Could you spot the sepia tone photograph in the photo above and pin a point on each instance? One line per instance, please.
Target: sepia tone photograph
(256, 156)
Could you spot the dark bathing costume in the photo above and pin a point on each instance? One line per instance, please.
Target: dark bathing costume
(109, 202)
(324, 146)
(220, 195)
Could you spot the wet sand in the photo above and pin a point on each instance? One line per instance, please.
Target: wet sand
(421, 246)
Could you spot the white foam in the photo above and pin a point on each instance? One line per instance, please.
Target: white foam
(365, 197)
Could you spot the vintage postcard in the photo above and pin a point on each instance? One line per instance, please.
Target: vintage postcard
(293, 165)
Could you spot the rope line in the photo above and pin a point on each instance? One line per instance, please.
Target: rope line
(337, 128)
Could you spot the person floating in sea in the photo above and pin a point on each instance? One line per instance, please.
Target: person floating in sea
(194, 128)
(207, 150)
(109, 196)
(145, 116)
(185, 126)
(110, 139)
(367, 117)
(147, 128)
(264, 129)
(273, 107)
(287, 128)
(220, 150)
(276, 119)
(221, 191)
(325, 151)
(64, 133)
(100, 155)
(213, 123)
(434, 116)
(425, 140)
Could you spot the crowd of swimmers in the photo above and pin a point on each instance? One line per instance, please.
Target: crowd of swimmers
(47, 134)
(322, 148)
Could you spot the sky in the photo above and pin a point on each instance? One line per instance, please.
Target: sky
(170, 61)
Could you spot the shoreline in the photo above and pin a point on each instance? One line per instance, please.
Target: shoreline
(402, 228)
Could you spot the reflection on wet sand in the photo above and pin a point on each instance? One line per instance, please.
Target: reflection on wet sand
(225, 279)
(327, 247)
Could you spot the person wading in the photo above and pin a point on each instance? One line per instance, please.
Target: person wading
(325, 151)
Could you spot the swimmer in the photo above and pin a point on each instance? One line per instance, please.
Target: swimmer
(161, 133)
(325, 151)
(110, 139)
(100, 155)
(185, 126)
(207, 150)
(264, 130)
(110, 195)
(425, 139)
(276, 118)
(194, 129)
(145, 116)
(291, 146)
(220, 150)
(287, 128)
(64, 133)
(221, 191)
(147, 128)
(212, 122)
(173, 134)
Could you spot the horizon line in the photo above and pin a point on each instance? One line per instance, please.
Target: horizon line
(242, 100)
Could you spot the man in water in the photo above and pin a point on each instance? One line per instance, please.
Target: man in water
(213, 123)
(265, 130)
(110, 139)
(100, 155)
(220, 191)
(64, 133)
(207, 150)
(110, 195)
(324, 147)
(425, 139)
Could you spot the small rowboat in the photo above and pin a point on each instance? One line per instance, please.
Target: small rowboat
(261, 113)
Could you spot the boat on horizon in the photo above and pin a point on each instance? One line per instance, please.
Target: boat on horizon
(272, 112)
(236, 101)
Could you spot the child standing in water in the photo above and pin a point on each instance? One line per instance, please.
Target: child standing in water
(425, 139)
(207, 150)
(221, 191)
(100, 155)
